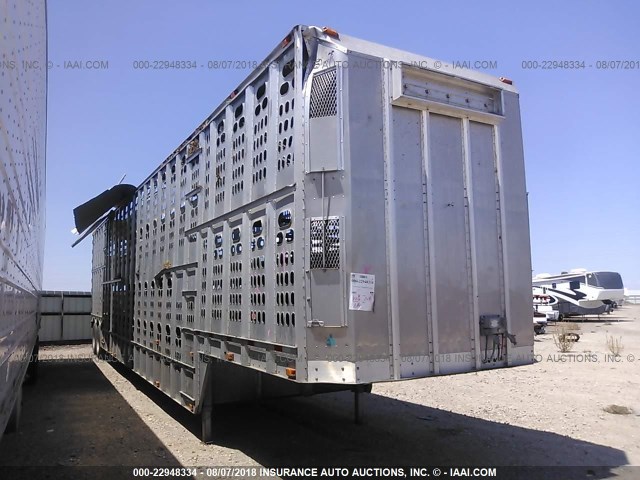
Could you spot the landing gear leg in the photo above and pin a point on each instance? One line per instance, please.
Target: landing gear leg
(356, 401)
(207, 422)
(206, 414)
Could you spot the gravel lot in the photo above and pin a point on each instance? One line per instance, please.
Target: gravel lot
(87, 413)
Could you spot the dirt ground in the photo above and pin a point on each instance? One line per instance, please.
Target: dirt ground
(84, 413)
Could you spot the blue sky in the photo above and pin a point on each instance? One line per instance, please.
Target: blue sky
(580, 127)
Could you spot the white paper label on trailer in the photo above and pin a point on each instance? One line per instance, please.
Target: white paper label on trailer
(361, 292)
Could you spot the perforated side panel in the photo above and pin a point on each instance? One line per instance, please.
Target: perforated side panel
(221, 165)
(324, 98)
(285, 279)
(286, 129)
(23, 111)
(260, 130)
(238, 151)
(325, 243)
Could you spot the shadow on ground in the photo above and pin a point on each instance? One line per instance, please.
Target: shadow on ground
(73, 416)
(320, 431)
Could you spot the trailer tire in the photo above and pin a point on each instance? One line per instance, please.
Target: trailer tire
(95, 341)
(16, 413)
(32, 369)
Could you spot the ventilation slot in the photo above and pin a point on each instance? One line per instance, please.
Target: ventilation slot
(324, 98)
(325, 243)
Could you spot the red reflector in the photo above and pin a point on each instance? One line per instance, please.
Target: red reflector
(506, 80)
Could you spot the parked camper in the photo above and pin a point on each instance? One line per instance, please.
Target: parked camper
(581, 292)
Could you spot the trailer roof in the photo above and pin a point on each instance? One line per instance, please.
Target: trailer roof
(371, 48)
(326, 34)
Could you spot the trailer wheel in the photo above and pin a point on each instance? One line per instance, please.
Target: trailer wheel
(32, 369)
(95, 341)
(16, 413)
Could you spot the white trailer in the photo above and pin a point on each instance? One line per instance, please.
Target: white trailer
(23, 132)
(350, 214)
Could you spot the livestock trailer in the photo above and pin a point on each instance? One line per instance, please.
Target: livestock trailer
(350, 214)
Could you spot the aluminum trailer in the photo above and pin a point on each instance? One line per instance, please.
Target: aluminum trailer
(350, 214)
(23, 130)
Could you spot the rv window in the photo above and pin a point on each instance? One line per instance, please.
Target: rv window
(610, 280)
(574, 285)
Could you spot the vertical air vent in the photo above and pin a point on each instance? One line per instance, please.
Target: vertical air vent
(324, 97)
(325, 243)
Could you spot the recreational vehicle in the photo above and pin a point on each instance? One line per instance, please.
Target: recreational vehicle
(581, 292)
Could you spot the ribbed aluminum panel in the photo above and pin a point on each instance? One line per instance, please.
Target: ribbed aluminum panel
(23, 108)
(65, 316)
